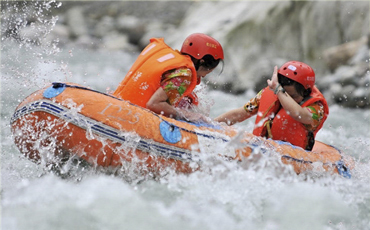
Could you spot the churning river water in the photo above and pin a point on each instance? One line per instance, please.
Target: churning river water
(258, 194)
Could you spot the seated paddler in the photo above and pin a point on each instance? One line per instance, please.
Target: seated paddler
(162, 79)
(290, 108)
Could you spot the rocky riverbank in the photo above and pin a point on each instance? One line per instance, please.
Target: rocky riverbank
(333, 37)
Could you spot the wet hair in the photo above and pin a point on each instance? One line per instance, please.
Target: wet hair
(209, 62)
(284, 81)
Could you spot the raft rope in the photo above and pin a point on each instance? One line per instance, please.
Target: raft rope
(59, 84)
(174, 152)
(343, 170)
(87, 123)
(101, 129)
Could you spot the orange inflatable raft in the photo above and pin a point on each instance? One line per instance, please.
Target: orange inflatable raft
(65, 120)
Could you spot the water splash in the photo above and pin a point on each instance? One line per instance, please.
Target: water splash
(259, 193)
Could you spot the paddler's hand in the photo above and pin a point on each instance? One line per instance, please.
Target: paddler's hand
(273, 83)
(191, 116)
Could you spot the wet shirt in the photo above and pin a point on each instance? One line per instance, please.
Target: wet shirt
(316, 109)
(175, 82)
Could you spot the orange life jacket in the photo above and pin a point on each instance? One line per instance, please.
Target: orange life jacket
(273, 121)
(144, 77)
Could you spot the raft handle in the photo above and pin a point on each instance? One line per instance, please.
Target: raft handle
(58, 85)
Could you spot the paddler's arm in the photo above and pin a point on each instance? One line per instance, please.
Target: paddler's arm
(294, 110)
(234, 116)
(241, 114)
(158, 104)
(162, 100)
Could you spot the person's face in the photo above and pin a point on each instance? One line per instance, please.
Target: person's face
(202, 72)
(290, 89)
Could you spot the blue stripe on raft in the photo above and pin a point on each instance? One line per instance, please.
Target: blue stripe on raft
(170, 151)
(343, 170)
(202, 124)
(198, 124)
(297, 160)
(84, 123)
(286, 143)
(51, 107)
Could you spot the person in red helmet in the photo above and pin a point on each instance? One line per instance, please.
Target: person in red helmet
(161, 78)
(290, 108)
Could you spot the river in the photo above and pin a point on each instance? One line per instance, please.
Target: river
(260, 194)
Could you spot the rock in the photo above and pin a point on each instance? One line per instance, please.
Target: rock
(76, 22)
(365, 80)
(361, 92)
(348, 90)
(86, 41)
(104, 27)
(330, 99)
(361, 68)
(346, 97)
(253, 31)
(346, 75)
(362, 55)
(336, 90)
(325, 82)
(361, 97)
(256, 36)
(115, 41)
(263, 70)
(59, 33)
(60, 30)
(154, 30)
(340, 55)
(132, 26)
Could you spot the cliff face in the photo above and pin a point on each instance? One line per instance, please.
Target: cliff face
(331, 36)
(259, 35)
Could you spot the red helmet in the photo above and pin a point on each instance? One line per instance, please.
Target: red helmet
(198, 45)
(299, 72)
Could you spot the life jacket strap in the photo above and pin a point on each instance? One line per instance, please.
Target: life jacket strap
(268, 128)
